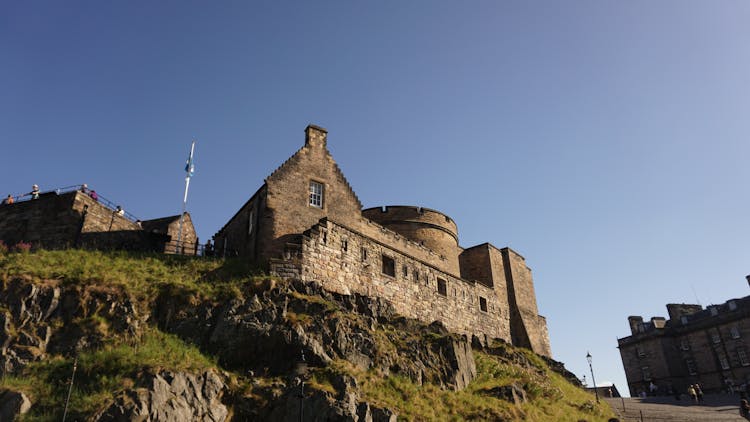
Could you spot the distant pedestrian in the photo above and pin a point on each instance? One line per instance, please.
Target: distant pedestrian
(652, 388)
(745, 409)
(119, 211)
(609, 392)
(699, 392)
(93, 195)
(34, 192)
(691, 392)
(84, 188)
(9, 200)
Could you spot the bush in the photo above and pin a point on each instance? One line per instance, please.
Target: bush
(22, 247)
(3, 248)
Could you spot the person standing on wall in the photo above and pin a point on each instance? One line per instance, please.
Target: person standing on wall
(34, 192)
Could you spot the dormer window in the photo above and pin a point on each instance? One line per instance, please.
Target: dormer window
(316, 194)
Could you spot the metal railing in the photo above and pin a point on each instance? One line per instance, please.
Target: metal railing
(99, 198)
(188, 248)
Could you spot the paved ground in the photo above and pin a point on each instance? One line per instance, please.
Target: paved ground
(719, 407)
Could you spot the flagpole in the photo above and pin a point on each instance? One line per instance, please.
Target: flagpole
(189, 172)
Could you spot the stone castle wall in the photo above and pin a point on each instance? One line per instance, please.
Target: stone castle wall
(430, 228)
(346, 261)
(71, 219)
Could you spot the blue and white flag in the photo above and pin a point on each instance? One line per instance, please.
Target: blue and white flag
(190, 165)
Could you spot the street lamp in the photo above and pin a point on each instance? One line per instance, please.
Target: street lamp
(593, 380)
(301, 372)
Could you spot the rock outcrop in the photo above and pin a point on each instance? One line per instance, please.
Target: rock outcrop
(170, 397)
(13, 404)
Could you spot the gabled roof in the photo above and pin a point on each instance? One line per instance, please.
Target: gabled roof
(296, 157)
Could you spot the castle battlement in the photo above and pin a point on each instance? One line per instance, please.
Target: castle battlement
(306, 222)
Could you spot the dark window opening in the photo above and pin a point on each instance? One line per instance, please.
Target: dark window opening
(345, 245)
(416, 274)
(482, 304)
(405, 271)
(363, 254)
(389, 266)
(442, 286)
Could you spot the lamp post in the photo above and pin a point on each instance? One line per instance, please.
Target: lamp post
(301, 372)
(593, 380)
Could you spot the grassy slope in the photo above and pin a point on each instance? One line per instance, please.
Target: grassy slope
(101, 373)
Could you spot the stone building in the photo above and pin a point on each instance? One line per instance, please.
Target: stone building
(695, 345)
(73, 219)
(306, 222)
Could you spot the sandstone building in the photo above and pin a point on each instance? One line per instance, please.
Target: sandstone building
(695, 345)
(73, 219)
(306, 222)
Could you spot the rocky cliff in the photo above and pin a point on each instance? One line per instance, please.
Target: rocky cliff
(270, 350)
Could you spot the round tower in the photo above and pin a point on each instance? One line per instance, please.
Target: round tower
(433, 229)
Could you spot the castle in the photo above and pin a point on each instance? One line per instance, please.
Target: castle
(305, 222)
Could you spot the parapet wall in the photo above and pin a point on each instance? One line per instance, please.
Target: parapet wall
(346, 261)
(425, 226)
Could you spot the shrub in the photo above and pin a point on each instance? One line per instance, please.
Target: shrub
(3, 248)
(22, 247)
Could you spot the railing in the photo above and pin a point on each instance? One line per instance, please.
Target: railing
(99, 198)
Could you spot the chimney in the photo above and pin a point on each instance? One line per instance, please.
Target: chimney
(315, 136)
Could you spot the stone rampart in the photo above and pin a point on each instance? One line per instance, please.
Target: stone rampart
(347, 261)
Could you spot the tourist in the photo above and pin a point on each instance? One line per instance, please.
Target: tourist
(652, 388)
(745, 409)
(93, 195)
(139, 223)
(84, 188)
(9, 200)
(119, 211)
(699, 392)
(691, 392)
(34, 192)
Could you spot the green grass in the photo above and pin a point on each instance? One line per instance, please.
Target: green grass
(140, 274)
(101, 374)
(550, 397)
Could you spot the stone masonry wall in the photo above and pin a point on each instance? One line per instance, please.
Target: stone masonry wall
(48, 221)
(526, 323)
(346, 261)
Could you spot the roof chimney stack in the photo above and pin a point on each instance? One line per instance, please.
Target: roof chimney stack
(315, 136)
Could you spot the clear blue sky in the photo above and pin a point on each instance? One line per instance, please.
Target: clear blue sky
(606, 141)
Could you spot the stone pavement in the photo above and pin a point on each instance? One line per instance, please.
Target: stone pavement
(716, 407)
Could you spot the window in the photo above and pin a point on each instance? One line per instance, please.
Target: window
(316, 194)
(482, 304)
(714, 310)
(415, 273)
(646, 372)
(691, 366)
(735, 331)
(723, 361)
(742, 354)
(363, 253)
(732, 305)
(344, 245)
(715, 337)
(405, 271)
(639, 351)
(389, 266)
(442, 287)
(684, 320)
(685, 344)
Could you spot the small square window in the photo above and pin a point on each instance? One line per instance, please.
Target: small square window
(735, 331)
(316, 194)
(482, 304)
(715, 337)
(442, 287)
(684, 344)
(646, 371)
(389, 266)
(732, 305)
(691, 366)
(742, 354)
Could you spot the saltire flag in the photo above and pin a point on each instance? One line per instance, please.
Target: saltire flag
(190, 165)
